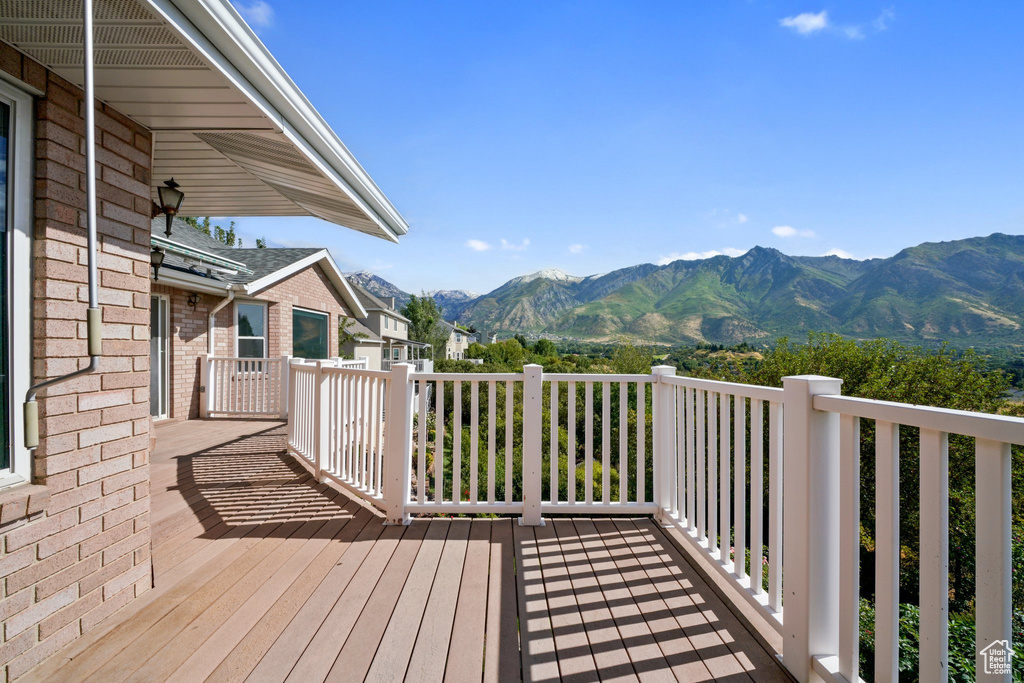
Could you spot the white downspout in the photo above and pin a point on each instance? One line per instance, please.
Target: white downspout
(94, 317)
(213, 314)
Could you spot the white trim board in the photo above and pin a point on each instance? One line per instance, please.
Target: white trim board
(334, 273)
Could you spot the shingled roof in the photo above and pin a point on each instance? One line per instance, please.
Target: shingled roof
(261, 262)
(196, 254)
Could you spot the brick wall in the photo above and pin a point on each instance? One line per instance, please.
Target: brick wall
(309, 289)
(74, 546)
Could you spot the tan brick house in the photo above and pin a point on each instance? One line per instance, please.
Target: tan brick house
(185, 90)
(259, 303)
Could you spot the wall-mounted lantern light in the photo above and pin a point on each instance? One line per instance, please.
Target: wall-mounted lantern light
(193, 300)
(170, 201)
(156, 259)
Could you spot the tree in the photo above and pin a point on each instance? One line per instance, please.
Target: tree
(628, 359)
(545, 348)
(426, 324)
(227, 237)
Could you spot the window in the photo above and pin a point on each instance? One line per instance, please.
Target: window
(458, 337)
(251, 329)
(15, 278)
(387, 323)
(395, 354)
(309, 334)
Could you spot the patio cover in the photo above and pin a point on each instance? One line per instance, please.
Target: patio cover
(229, 124)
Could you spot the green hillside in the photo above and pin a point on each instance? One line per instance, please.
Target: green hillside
(969, 289)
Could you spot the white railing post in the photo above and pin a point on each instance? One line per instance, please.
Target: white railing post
(993, 568)
(286, 375)
(398, 443)
(664, 438)
(810, 536)
(290, 397)
(204, 386)
(321, 419)
(533, 385)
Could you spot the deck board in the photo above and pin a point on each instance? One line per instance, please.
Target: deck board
(263, 574)
(431, 649)
(466, 650)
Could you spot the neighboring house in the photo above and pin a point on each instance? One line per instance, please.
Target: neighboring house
(260, 303)
(387, 324)
(363, 343)
(458, 341)
(182, 90)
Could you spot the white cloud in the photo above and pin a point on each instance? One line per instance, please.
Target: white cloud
(505, 244)
(787, 231)
(478, 245)
(882, 22)
(258, 14)
(742, 218)
(696, 255)
(807, 22)
(841, 253)
(576, 248)
(853, 32)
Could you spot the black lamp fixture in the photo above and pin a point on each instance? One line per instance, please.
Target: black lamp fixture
(170, 201)
(193, 300)
(156, 259)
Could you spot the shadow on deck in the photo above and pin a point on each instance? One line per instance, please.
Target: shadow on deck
(263, 574)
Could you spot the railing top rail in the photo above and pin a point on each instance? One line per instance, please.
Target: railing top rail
(469, 376)
(595, 377)
(734, 388)
(979, 425)
(356, 372)
(236, 359)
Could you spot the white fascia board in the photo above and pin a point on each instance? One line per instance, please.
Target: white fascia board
(191, 282)
(323, 257)
(216, 30)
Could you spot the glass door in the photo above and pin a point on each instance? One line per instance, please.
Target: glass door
(159, 322)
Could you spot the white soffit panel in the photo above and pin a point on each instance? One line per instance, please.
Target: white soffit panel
(228, 155)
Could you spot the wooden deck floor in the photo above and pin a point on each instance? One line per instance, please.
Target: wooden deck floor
(264, 575)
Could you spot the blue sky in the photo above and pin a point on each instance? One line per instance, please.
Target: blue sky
(591, 135)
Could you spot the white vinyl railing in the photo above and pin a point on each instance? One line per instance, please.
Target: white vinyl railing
(233, 387)
(419, 364)
(251, 387)
(338, 423)
(710, 481)
(751, 476)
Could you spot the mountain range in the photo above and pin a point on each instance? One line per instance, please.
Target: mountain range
(964, 291)
(448, 299)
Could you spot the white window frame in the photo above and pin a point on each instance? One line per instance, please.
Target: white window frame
(19, 264)
(314, 312)
(166, 354)
(387, 322)
(266, 325)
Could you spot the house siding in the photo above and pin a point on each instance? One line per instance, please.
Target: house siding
(74, 545)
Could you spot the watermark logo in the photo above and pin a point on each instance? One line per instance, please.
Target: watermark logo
(998, 657)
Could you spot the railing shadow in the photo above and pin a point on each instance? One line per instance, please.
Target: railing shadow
(250, 485)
